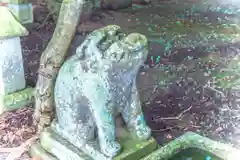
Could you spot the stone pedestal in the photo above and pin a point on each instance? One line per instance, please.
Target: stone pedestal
(53, 147)
(12, 77)
(13, 92)
(12, 80)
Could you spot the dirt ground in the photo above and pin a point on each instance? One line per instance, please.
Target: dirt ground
(171, 106)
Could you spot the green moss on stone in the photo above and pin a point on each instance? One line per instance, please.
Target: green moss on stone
(193, 140)
(133, 149)
(17, 100)
(36, 150)
(57, 146)
(22, 12)
(10, 27)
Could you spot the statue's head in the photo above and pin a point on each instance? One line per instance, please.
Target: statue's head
(109, 46)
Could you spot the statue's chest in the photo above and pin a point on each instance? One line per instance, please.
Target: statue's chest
(120, 89)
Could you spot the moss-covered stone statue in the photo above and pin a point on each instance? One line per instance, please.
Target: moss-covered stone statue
(97, 84)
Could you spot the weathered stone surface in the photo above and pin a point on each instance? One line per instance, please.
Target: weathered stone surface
(193, 140)
(36, 150)
(97, 84)
(16, 100)
(14, 1)
(11, 63)
(19, 99)
(10, 27)
(133, 149)
(22, 12)
(12, 77)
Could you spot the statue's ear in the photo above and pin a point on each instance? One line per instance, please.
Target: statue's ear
(94, 38)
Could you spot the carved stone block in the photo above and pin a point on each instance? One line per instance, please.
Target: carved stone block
(53, 147)
(12, 77)
(13, 93)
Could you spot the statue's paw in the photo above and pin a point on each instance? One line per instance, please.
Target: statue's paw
(111, 149)
(143, 132)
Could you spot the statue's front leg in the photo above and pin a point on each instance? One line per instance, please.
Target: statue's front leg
(106, 131)
(134, 118)
(103, 114)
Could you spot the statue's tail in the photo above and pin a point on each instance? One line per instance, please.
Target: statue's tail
(52, 58)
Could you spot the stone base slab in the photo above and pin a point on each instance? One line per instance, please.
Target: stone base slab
(38, 151)
(53, 144)
(16, 100)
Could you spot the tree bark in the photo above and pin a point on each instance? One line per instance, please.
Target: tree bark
(51, 60)
(55, 5)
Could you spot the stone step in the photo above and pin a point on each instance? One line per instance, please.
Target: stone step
(63, 150)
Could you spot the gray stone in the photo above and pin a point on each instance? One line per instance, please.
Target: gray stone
(12, 77)
(37, 151)
(23, 12)
(96, 85)
(194, 141)
(16, 100)
(13, 93)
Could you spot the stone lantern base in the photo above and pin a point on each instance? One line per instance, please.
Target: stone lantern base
(13, 91)
(16, 100)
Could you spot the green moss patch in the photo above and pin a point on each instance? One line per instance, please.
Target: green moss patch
(10, 27)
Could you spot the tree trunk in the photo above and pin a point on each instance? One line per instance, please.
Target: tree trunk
(51, 60)
(54, 8)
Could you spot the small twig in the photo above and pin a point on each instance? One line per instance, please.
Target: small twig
(215, 90)
(177, 117)
(162, 130)
(191, 126)
(45, 20)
